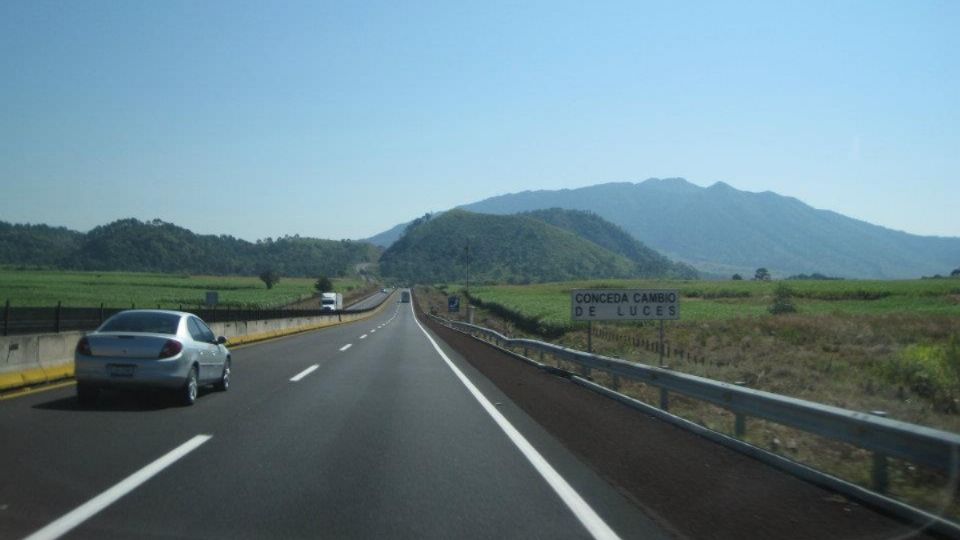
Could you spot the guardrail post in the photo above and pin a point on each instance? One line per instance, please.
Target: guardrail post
(101, 312)
(6, 317)
(57, 326)
(739, 425)
(664, 399)
(661, 343)
(739, 420)
(589, 336)
(879, 473)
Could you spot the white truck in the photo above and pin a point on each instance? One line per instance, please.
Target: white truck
(331, 301)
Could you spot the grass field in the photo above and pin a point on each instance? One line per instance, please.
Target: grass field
(720, 300)
(32, 288)
(865, 345)
(860, 345)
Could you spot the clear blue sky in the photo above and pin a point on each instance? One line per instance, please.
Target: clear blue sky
(340, 120)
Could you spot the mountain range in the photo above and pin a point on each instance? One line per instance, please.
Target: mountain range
(721, 230)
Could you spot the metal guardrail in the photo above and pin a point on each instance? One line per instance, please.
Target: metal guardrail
(884, 437)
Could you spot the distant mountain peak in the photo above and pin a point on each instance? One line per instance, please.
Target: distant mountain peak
(722, 186)
(670, 185)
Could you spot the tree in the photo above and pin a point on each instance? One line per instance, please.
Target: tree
(955, 273)
(323, 284)
(269, 278)
(737, 277)
(762, 275)
(782, 302)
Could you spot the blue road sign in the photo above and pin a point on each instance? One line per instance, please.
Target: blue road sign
(453, 304)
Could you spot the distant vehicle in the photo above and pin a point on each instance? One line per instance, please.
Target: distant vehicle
(405, 296)
(331, 301)
(142, 348)
(383, 291)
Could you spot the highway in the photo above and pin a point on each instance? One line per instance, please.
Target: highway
(370, 301)
(371, 429)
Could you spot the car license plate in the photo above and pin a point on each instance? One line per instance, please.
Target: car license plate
(117, 370)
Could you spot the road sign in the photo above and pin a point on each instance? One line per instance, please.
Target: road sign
(624, 304)
(213, 298)
(453, 304)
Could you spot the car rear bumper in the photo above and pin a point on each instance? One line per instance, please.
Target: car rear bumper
(122, 372)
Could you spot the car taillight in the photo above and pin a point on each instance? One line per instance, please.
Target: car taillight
(171, 348)
(83, 347)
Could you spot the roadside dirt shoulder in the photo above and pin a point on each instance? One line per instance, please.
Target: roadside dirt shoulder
(699, 488)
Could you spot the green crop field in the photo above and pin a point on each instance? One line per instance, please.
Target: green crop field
(890, 345)
(122, 289)
(719, 300)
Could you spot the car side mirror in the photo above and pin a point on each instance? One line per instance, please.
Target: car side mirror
(221, 340)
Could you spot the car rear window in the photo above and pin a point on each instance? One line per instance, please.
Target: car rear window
(154, 323)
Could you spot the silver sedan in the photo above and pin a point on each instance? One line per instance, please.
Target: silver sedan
(152, 349)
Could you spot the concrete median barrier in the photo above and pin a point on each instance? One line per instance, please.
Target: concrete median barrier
(31, 359)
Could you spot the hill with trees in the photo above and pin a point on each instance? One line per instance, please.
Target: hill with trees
(36, 245)
(501, 249)
(594, 228)
(157, 246)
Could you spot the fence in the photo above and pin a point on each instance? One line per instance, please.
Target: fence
(884, 438)
(39, 320)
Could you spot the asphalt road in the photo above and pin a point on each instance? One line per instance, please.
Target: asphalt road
(371, 301)
(366, 430)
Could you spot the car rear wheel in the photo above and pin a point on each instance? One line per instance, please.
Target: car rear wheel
(86, 394)
(188, 394)
(224, 383)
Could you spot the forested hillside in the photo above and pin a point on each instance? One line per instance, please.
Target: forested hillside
(156, 246)
(594, 228)
(36, 245)
(503, 249)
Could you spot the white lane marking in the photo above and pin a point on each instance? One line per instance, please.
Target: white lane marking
(92, 507)
(304, 373)
(580, 508)
(345, 347)
(363, 336)
(373, 331)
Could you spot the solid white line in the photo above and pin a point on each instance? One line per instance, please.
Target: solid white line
(363, 336)
(580, 508)
(345, 347)
(304, 373)
(89, 509)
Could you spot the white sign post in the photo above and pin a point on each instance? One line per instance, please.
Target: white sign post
(624, 305)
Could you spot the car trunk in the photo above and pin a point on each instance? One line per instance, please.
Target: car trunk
(127, 345)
